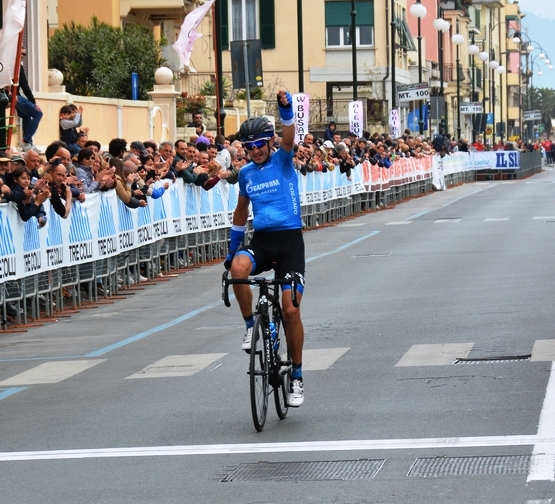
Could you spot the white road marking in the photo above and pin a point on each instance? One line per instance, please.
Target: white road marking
(322, 358)
(50, 372)
(307, 446)
(500, 219)
(542, 465)
(543, 350)
(353, 224)
(443, 221)
(398, 223)
(541, 501)
(177, 365)
(552, 217)
(435, 355)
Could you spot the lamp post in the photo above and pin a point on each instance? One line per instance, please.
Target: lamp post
(483, 56)
(441, 26)
(473, 50)
(458, 39)
(354, 48)
(419, 11)
(500, 70)
(493, 65)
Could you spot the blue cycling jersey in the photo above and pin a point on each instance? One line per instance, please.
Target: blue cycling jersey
(273, 191)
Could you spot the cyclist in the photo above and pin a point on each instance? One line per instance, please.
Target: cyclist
(269, 182)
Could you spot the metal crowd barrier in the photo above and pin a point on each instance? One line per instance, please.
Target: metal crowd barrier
(47, 294)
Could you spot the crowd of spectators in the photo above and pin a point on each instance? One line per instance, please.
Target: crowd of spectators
(75, 166)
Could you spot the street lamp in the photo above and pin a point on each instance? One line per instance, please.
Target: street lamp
(458, 39)
(441, 26)
(419, 11)
(473, 50)
(500, 70)
(484, 56)
(493, 65)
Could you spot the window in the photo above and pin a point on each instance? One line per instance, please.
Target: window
(256, 17)
(337, 36)
(241, 21)
(338, 23)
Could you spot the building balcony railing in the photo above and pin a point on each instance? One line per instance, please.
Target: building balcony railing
(450, 73)
(461, 5)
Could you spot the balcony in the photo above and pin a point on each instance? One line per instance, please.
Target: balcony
(449, 73)
(460, 5)
(158, 8)
(489, 3)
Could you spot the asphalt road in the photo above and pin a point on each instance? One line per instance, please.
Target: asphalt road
(428, 374)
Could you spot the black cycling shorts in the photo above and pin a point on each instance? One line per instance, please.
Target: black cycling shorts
(282, 251)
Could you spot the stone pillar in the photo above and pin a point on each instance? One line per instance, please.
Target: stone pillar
(164, 100)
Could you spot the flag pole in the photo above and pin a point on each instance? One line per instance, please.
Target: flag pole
(216, 29)
(15, 86)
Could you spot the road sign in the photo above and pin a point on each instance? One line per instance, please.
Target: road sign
(412, 92)
(532, 115)
(472, 107)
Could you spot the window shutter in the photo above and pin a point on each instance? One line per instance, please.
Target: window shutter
(267, 24)
(338, 13)
(224, 28)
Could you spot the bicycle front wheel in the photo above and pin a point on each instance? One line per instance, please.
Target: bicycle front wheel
(258, 374)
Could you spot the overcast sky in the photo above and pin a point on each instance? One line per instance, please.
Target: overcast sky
(542, 8)
(538, 25)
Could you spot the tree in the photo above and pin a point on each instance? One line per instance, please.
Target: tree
(541, 99)
(98, 60)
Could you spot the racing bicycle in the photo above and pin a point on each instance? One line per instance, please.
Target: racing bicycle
(270, 363)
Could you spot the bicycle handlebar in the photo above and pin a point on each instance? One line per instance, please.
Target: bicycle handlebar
(292, 281)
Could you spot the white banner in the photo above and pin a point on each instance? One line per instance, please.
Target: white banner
(494, 160)
(301, 108)
(394, 123)
(356, 117)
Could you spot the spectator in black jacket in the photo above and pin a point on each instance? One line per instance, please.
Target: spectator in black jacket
(27, 108)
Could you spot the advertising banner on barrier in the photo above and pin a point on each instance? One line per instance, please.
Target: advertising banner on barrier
(494, 160)
(103, 226)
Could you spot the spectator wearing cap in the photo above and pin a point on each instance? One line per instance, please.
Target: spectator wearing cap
(138, 148)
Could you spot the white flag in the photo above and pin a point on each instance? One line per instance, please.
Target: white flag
(188, 33)
(13, 24)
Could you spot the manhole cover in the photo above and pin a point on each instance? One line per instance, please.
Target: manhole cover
(306, 471)
(469, 466)
(494, 360)
(386, 254)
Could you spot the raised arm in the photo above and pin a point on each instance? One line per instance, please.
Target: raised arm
(287, 118)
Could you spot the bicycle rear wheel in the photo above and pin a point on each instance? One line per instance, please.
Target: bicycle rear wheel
(283, 362)
(258, 374)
